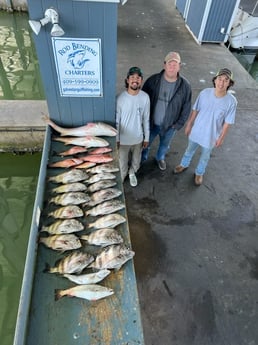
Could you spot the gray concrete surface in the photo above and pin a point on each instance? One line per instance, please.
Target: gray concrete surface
(196, 247)
(21, 125)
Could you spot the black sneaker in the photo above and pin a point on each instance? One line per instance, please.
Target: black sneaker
(162, 164)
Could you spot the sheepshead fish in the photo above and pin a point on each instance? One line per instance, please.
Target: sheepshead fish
(106, 207)
(103, 237)
(61, 242)
(66, 163)
(104, 195)
(65, 212)
(112, 257)
(85, 165)
(89, 278)
(102, 168)
(88, 141)
(70, 187)
(91, 292)
(73, 151)
(71, 198)
(70, 176)
(72, 263)
(92, 128)
(101, 177)
(94, 187)
(99, 150)
(104, 158)
(65, 226)
(108, 221)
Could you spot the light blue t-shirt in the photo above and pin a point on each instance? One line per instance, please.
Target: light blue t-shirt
(213, 112)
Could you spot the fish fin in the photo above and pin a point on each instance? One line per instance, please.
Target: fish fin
(45, 117)
(58, 294)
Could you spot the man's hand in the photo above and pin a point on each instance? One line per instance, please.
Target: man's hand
(145, 144)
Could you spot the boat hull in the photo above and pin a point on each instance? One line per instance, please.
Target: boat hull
(245, 34)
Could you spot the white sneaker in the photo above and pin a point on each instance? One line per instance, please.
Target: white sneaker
(133, 180)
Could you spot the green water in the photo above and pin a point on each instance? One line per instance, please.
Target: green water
(18, 182)
(19, 69)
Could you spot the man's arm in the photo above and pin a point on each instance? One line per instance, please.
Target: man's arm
(190, 122)
(221, 138)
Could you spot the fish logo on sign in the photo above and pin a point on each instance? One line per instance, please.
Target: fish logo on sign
(77, 59)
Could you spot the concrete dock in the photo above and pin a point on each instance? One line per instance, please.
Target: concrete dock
(196, 247)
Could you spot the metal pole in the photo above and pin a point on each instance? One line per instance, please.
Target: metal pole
(254, 7)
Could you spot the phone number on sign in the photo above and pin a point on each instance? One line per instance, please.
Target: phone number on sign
(80, 82)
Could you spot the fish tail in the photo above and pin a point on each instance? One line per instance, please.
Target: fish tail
(58, 294)
(50, 122)
(84, 237)
(45, 118)
(58, 139)
(54, 153)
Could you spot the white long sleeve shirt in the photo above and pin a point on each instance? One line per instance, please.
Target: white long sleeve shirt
(133, 118)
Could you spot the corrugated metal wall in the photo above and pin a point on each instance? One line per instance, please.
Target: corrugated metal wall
(181, 6)
(208, 20)
(79, 19)
(195, 15)
(219, 16)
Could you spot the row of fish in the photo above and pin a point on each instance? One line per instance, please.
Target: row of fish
(62, 242)
(62, 236)
(112, 257)
(86, 189)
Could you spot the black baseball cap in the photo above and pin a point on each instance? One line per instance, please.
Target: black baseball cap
(134, 70)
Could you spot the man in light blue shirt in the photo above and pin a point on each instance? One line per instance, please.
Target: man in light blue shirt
(213, 112)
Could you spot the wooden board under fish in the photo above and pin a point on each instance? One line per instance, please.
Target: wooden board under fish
(114, 320)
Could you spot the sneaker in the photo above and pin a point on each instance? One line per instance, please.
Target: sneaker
(198, 180)
(162, 164)
(179, 169)
(133, 180)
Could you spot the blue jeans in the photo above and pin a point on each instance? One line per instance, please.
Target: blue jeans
(203, 161)
(164, 142)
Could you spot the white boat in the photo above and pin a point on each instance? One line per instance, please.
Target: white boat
(244, 32)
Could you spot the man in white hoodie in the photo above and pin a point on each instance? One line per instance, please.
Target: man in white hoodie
(132, 122)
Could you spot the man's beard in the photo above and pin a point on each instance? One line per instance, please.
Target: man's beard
(135, 87)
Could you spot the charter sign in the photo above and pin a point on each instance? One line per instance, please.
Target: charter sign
(78, 65)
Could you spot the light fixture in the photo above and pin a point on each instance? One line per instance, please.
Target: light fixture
(51, 15)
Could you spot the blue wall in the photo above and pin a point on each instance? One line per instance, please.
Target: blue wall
(79, 19)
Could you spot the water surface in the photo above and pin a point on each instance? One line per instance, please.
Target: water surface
(18, 182)
(19, 69)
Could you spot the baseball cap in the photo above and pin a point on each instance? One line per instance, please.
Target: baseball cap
(172, 56)
(225, 71)
(134, 70)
